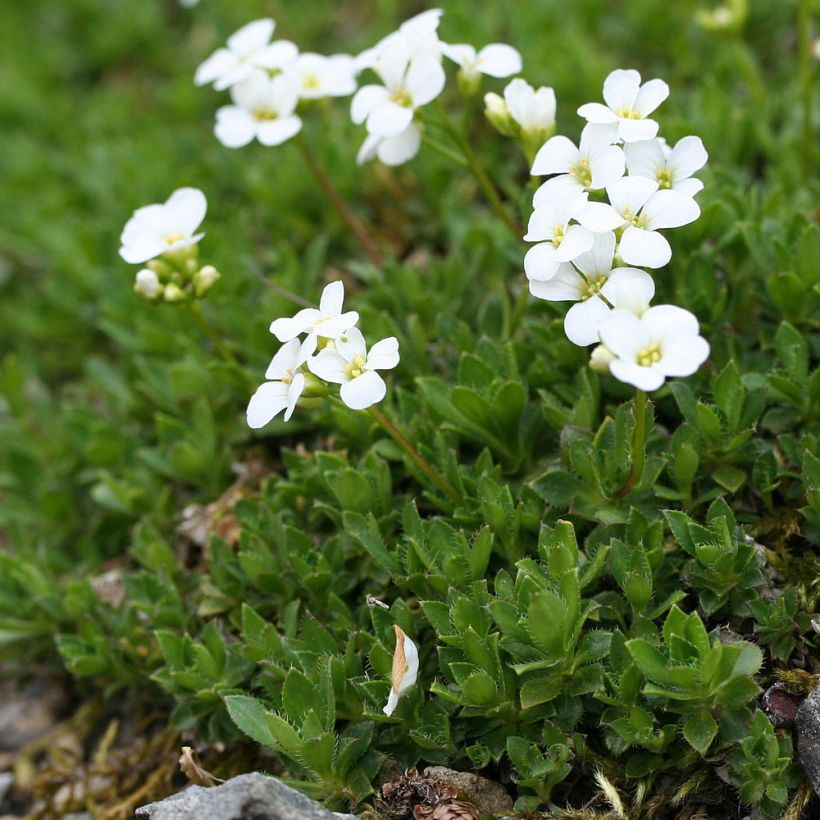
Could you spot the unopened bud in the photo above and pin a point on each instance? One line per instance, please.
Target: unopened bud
(497, 112)
(600, 359)
(147, 284)
(174, 293)
(468, 82)
(204, 279)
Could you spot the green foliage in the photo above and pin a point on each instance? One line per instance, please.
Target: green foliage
(568, 620)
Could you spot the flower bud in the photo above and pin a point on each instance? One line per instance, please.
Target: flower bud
(174, 293)
(600, 358)
(204, 279)
(497, 112)
(729, 17)
(468, 82)
(147, 284)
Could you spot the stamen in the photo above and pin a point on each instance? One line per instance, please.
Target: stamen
(647, 356)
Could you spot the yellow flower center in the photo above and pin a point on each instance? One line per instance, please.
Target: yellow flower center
(265, 114)
(664, 178)
(310, 82)
(558, 235)
(582, 173)
(638, 220)
(593, 288)
(647, 356)
(172, 238)
(402, 97)
(355, 368)
(628, 114)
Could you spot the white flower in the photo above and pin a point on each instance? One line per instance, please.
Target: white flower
(263, 109)
(591, 166)
(158, 229)
(637, 204)
(670, 168)
(558, 240)
(414, 37)
(394, 150)
(328, 321)
(405, 669)
(284, 387)
(349, 364)
(591, 282)
(663, 342)
(316, 76)
(147, 284)
(388, 109)
(248, 49)
(494, 60)
(629, 104)
(533, 110)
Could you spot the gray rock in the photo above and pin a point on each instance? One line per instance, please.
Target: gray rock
(252, 796)
(488, 796)
(807, 722)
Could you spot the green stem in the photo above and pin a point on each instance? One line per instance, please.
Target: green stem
(415, 455)
(637, 450)
(484, 182)
(444, 150)
(518, 310)
(338, 202)
(805, 58)
(208, 331)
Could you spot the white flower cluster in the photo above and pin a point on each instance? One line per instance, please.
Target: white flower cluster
(164, 236)
(597, 223)
(267, 80)
(342, 359)
(408, 64)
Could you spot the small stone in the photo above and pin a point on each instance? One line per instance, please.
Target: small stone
(252, 796)
(490, 797)
(807, 723)
(781, 705)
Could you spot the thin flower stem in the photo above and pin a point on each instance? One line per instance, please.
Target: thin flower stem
(637, 450)
(518, 310)
(415, 455)
(209, 331)
(488, 189)
(806, 95)
(444, 150)
(338, 202)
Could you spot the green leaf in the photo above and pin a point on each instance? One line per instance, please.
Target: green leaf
(700, 730)
(249, 716)
(365, 531)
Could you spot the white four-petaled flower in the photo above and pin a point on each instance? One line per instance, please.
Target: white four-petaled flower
(349, 364)
(263, 109)
(636, 204)
(670, 167)
(494, 60)
(663, 342)
(157, 229)
(533, 110)
(284, 387)
(248, 50)
(629, 104)
(405, 669)
(316, 76)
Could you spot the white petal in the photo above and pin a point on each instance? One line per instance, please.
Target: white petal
(141, 250)
(517, 95)
(621, 88)
(389, 118)
(631, 289)
(631, 130)
(384, 355)
(369, 148)
(540, 262)
(583, 319)
(460, 53)
(596, 136)
(597, 261)
(285, 95)
(577, 240)
(275, 132)
(555, 156)
(649, 249)
(392, 702)
(555, 190)
(280, 54)
(365, 100)
(329, 366)
(606, 166)
(425, 80)
(284, 361)
(186, 209)
(252, 36)
(565, 285)
(630, 194)
(269, 399)
(599, 217)
(499, 60)
(332, 299)
(294, 391)
(623, 333)
(253, 92)
(234, 127)
(683, 355)
(688, 187)
(221, 62)
(670, 209)
(401, 148)
(664, 322)
(650, 96)
(597, 113)
(286, 329)
(363, 391)
(411, 657)
(645, 158)
(687, 156)
(335, 326)
(644, 378)
(351, 344)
